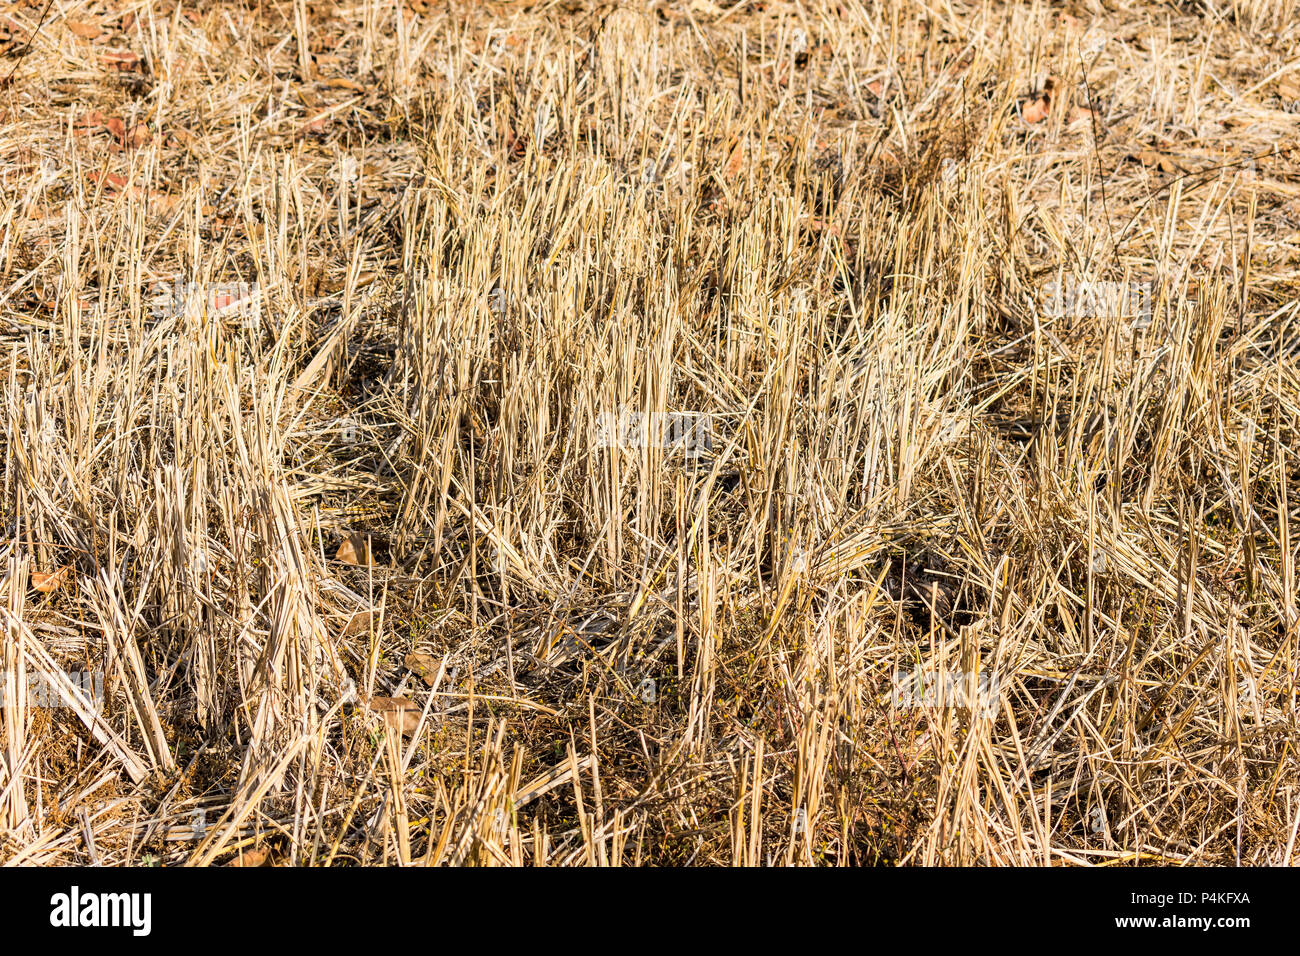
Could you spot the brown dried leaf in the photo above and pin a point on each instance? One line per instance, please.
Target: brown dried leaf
(734, 162)
(260, 857)
(358, 623)
(1039, 105)
(425, 666)
(315, 125)
(115, 186)
(48, 583)
(355, 549)
(120, 59)
(1036, 110)
(399, 713)
(332, 286)
(343, 83)
(818, 225)
(90, 123)
(87, 31)
(1151, 157)
(110, 181)
(165, 201)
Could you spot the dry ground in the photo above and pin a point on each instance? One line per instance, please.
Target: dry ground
(364, 578)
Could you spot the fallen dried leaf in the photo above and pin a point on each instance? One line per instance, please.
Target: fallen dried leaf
(120, 59)
(252, 858)
(91, 122)
(734, 162)
(1039, 105)
(166, 201)
(398, 712)
(115, 186)
(343, 83)
(110, 181)
(358, 623)
(316, 125)
(1036, 110)
(48, 583)
(87, 31)
(355, 549)
(1150, 157)
(333, 286)
(516, 144)
(817, 225)
(425, 666)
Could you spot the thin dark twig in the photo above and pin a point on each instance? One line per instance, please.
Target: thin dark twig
(1207, 178)
(31, 39)
(1096, 152)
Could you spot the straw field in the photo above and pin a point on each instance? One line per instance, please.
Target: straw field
(670, 433)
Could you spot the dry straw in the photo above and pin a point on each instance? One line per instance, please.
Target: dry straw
(473, 231)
